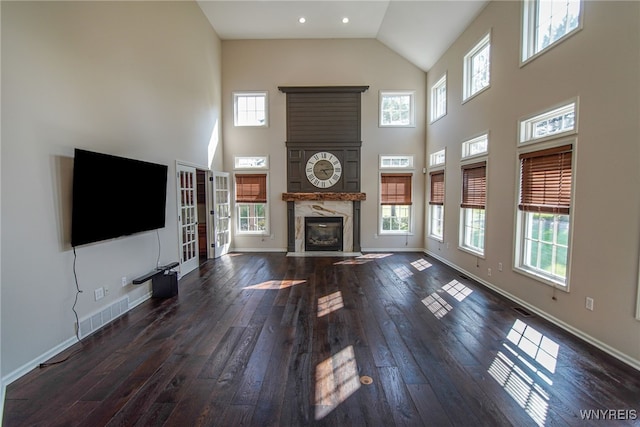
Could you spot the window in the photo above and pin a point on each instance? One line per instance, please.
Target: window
(439, 99)
(475, 147)
(251, 203)
(250, 109)
(395, 202)
(252, 162)
(474, 195)
(476, 68)
(397, 109)
(396, 162)
(554, 123)
(545, 200)
(437, 158)
(436, 205)
(547, 22)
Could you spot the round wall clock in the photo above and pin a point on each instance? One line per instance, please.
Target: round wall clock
(323, 169)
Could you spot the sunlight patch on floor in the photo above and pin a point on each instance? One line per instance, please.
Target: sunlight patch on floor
(457, 290)
(374, 256)
(436, 305)
(521, 387)
(329, 303)
(336, 380)
(535, 345)
(276, 284)
(403, 272)
(421, 264)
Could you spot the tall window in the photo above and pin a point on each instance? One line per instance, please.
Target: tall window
(436, 205)
(547, 22)
(395, 202)
(250, 109)
(439, 99)
(545, 201)
(251, 203)
(397, 109)
(474, 195)
(477, 68)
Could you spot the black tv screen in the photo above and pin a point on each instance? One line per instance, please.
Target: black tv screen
(115, 196)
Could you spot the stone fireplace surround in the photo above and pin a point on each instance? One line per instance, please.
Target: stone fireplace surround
(344, 205)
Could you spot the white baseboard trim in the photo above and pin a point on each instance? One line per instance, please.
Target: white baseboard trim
(240, 250)
(634, 363)
(27, 367)
(404, 249)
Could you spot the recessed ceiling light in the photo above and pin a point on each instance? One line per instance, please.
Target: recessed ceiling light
(345, 20)
(302, 20)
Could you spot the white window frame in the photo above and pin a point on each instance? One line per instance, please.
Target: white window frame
(439, 99)
(237, 207)
(236, 112)
(521, 221)
(392, 93)
(432, 208)
(463, 245)
(250, 162)
(468, 147)
(529, 35)
(408, 232)
(467, 214)
(526, 128)
(469, 91)
(438, 158)
(387, 162)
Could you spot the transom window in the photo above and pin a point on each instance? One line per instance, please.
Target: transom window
(397, 108)
(396, 162)
(395, 202)
(251, 162)
(475, 147)
(547, 22)
(554, 123)
(250, 109)
(439, 99)
(437, 158)
(477, 68)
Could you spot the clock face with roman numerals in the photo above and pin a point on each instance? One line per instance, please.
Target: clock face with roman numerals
(323, 169)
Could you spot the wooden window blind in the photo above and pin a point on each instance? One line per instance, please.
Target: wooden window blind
(395, 188)
(545, 180)
(474, 185)
(437, 188)
(251, 188)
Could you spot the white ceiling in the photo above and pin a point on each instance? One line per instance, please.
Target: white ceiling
(418, 30)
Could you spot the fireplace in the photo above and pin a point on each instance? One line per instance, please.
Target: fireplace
(323, 234)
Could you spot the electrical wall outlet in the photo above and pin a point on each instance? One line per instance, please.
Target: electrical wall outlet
(98, 294)
(124, 281)
(499, 266)
(589, 304)
(489, 272)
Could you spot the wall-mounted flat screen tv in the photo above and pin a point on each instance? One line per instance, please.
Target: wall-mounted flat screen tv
(115, 196)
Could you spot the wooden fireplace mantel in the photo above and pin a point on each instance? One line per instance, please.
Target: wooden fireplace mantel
(351, 197)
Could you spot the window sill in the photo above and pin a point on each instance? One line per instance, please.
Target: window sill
(472, 252)
(542, 279)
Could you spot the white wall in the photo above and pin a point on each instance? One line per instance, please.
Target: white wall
(267, 64)
(134, 79)
(600, 65)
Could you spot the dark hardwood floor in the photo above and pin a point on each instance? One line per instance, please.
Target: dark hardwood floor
(382, 340)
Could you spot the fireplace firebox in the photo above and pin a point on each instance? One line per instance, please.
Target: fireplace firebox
(323, 234)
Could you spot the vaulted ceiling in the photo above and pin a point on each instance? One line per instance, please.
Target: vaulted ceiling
(418, 30)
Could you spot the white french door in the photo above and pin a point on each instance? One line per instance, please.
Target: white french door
(221, 213)
(187, 218)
